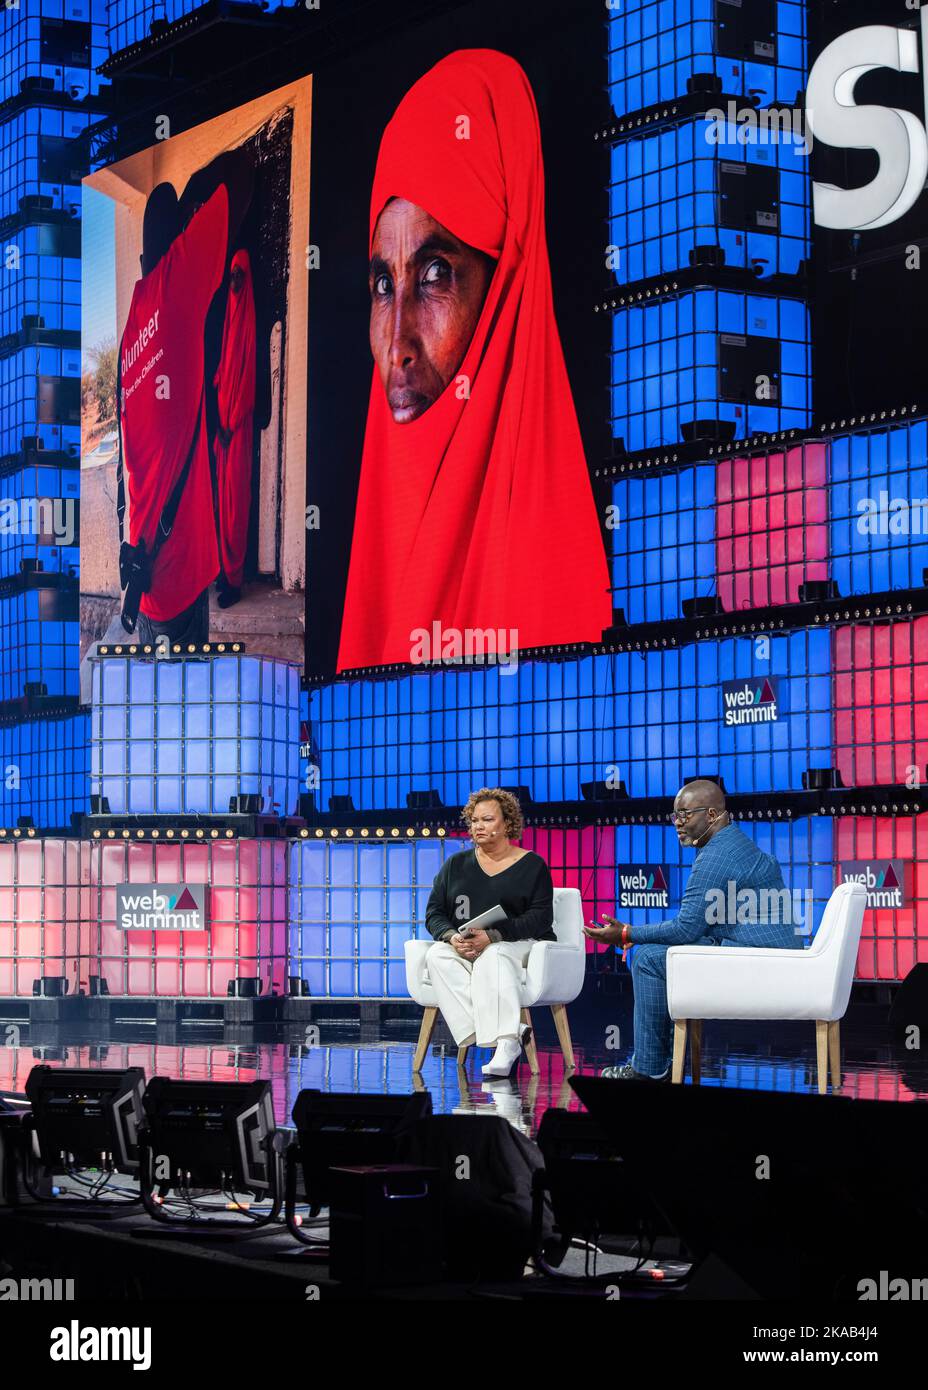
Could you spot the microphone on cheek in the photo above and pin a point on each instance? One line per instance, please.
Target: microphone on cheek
(708, 832)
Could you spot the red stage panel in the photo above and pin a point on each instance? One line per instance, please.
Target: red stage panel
(583, 859)
(246, 907)
(893, 939)
(771, 526)
(881, 702)
(39, 890)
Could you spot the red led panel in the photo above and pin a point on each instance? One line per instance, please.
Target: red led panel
(39, 906)
(583, 859)
(881, 702)
(246, 907)
(893, 939)
(771, 526)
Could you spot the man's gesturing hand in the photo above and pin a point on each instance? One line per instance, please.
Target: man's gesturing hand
(609, 935)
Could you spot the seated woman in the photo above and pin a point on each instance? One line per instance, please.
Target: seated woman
(477, 977)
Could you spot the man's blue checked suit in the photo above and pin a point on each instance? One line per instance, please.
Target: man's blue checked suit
(705, 919)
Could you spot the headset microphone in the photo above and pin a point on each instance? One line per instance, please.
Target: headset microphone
(709, 831)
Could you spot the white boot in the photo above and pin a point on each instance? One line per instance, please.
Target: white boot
(508, 1051)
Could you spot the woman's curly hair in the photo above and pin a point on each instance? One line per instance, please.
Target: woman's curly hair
(507, 803)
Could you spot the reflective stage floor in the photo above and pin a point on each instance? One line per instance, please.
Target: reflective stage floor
(343, 1056)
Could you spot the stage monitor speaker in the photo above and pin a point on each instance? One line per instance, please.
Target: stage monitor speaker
(486, 1171)
(335, 1130)
(585, 1175)
(385, 1225)
(910, 1010)
(803, 1196)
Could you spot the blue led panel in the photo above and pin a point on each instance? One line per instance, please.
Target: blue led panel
(39, 518)
(36, 282)
(878, 506)
(61, 41)
(45, 765)
(666, 198)
(656, 46)
(668, 359)
(185, 736)
(663, 542)
(23, 375)
(353, 905)
(38, 643)
(38, 155)
(649, 719)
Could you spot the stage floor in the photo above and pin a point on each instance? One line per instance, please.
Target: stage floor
(343, 1056)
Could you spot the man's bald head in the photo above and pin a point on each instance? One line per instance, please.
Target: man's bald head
(702, 806)
(703, 792)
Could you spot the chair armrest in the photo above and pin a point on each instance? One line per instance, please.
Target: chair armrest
(554, 973)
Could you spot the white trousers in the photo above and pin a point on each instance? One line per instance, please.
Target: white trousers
(480, 998)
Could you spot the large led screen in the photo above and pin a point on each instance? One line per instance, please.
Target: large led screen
(458, 370)
(193, 454)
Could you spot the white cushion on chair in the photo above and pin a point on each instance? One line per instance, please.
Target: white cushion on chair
(760, 982)
(554, 972)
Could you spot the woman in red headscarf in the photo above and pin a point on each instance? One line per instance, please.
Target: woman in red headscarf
(235, 397)
(475, 509)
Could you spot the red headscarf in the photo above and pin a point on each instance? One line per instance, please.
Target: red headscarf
(479, 513)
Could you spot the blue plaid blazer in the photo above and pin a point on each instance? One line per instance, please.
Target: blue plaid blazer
(735, 896)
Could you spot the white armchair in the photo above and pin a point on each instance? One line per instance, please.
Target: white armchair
(743, 982)
(553, 976)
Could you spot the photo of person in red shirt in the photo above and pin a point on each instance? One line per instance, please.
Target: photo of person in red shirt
(169, 554)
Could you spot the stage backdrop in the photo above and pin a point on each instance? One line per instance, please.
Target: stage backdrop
(202, 358)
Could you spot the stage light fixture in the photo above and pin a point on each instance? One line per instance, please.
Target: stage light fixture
(50, 986)
(84, 1119)
(208, 1135)
(424, 800)
(245, 987)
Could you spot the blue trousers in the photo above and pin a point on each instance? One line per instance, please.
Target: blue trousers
(653, 1024)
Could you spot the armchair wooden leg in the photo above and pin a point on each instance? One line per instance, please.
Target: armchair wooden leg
(679, 1050)
(696, 1050)
(821, 1055)
(531, 1050)
(834, 1053)
(426, 1029)
(563, 1034)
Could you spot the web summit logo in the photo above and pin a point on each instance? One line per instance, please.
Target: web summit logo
(751, 701)
(161, 906)
(884, 880)
(643, 885)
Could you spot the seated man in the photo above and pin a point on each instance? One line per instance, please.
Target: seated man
(726, 864)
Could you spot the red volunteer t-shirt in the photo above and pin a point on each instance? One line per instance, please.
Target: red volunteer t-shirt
(162, 364)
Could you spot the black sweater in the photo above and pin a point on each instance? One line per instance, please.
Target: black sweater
(462, 890)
